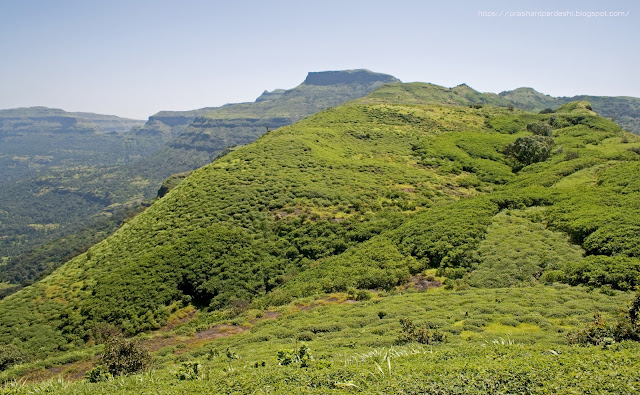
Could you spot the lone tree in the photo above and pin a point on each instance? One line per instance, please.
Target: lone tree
(530, 149)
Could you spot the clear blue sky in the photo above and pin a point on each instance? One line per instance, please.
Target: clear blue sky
(133, 58)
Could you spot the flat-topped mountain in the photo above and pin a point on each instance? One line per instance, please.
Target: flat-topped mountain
(359, 76)
(297, 102)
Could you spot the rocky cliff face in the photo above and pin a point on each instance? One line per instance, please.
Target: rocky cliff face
(168, 124)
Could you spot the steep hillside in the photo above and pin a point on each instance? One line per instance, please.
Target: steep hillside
(53, 204)
(193, 139)
(364, 196)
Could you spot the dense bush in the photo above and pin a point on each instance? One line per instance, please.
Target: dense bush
(619, 272)
(601, 332)
(122, 356)
(447, 235)
(188, 371)
(10, 355)
(614, 239)
(97, 374)
(530, 149)
(375, 264)
(520, 251)
(300, 357)
(420, 334)
(540, 129)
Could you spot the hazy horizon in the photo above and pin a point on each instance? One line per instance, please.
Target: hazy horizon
(133, 59)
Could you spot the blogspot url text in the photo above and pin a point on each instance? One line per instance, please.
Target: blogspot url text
(551, 14)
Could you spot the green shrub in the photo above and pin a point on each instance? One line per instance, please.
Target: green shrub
(597, 332)
(530, 149)
(97, 374)
(188, 371)
(10, 355)
(301, 357)
(421, 334)
(122, 356)
(509, 322)
(362, 295)
(571, 155)
(540, 129)
(305, 336)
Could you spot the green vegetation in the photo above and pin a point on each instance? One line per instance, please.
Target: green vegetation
(318, 208)
(511, 338)
(42, 260)
(122, 357)
(625, 111)
(530, 149)
(324, 231)
(521, 251)
(600, 332)
(71, 172)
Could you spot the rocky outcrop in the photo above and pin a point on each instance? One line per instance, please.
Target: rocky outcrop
(360, 76)
(266, 95)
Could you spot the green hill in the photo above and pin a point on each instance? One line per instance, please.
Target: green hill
(625, 111)
(341, 230)
(72, 185)
(70, 196)
(361, 196)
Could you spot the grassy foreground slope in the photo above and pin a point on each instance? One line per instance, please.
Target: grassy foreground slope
(364, 196)
(498, 341)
